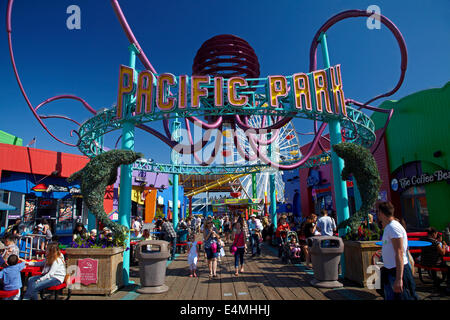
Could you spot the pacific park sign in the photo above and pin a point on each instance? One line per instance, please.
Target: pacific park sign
(317, 92)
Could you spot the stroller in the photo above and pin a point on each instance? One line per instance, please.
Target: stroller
(287, 256)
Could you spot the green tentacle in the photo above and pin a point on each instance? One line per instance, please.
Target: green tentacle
(360, 162)
(94, 178)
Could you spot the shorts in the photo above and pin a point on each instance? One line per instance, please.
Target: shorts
(210, 254)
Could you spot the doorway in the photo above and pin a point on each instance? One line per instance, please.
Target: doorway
(414, 208)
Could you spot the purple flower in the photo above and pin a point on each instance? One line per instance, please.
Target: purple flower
(104, 246)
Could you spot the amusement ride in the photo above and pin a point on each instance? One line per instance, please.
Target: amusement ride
(248, 117)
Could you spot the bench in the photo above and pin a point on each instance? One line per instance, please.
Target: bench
(56, 291)
(4, 294)
(431, 272)
(181, 246)
(417, 234)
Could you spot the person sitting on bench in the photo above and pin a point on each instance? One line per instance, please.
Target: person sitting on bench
(431, 256)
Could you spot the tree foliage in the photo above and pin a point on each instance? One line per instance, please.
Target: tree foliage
(360, 163)
(99, 173)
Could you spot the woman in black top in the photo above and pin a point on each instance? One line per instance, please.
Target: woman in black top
(310, 226)
(79, 232)
(226, 228)
(309, 229)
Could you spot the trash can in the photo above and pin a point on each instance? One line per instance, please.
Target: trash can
(325, 256)
(152, 265)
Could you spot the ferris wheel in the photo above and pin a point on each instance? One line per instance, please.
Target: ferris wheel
(284, 149)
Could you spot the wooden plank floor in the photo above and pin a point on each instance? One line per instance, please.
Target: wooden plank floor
(264, 278)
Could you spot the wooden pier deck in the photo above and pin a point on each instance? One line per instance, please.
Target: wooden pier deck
(264, 278)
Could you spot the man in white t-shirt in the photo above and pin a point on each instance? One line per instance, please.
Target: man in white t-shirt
(137, 226)
(198, 223)
(326, 224)
(396, 275)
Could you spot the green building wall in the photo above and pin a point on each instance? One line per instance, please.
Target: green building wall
(10, 139)
(420, 126)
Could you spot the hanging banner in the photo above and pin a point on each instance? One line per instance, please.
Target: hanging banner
(30, 210)
(65, 211)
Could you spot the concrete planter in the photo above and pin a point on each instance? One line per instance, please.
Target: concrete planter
(358, 257)
(109, 271)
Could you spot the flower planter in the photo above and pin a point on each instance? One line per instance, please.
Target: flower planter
(358, 257)
(101, 270)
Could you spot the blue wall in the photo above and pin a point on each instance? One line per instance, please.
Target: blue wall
(291, 183)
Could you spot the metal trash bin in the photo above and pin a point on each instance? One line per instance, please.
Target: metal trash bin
(325, 256)
(152, 265)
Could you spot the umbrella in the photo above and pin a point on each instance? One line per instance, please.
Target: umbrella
(5, 206)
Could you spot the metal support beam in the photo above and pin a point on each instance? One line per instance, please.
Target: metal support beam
(126, 179)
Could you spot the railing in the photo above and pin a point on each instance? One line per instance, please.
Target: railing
(27, 242)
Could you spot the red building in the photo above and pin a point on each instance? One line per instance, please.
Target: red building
(34, 181)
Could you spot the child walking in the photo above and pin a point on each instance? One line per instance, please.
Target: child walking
(192, 255)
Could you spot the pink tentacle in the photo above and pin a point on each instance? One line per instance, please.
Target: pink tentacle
(294, 165)
(199, 145)
(59, 117)
(238, 146)
(22, 89)
(276, 125)
(217, 146)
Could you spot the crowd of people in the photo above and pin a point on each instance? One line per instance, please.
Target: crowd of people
(237, 235)
(81, 235)
(53, 269)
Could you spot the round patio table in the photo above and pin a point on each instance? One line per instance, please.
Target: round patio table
(411, 243)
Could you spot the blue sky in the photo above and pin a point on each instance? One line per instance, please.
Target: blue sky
(54, 60)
